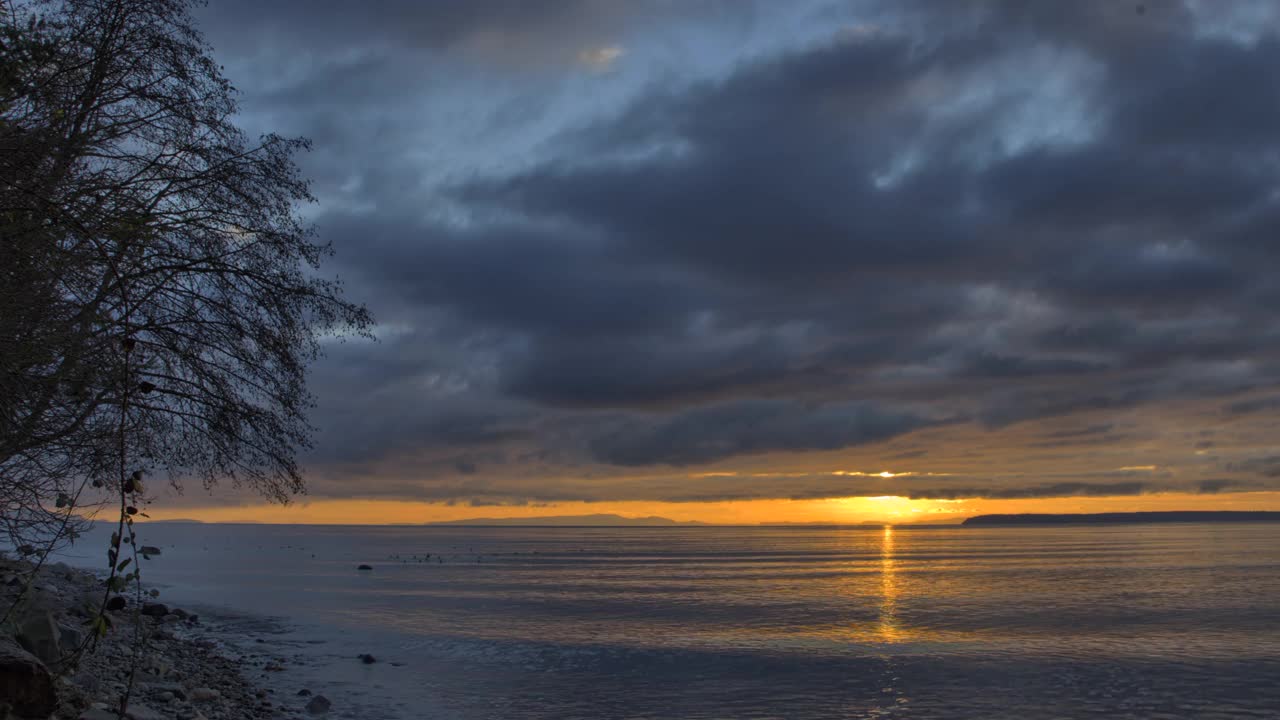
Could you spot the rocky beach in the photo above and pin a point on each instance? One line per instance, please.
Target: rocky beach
(183, 669)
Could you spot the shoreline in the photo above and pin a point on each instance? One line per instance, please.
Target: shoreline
(189, 666)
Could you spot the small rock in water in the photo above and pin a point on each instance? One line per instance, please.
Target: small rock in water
(319, 704)
(365, 567)
(149, 550)
(367, 659)
(304, 692)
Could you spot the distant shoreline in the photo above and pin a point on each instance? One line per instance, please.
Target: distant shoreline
(1176, 516)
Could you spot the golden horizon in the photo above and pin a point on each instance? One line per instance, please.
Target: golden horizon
(879, 509)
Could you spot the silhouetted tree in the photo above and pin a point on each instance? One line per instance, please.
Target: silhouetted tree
(159, 293)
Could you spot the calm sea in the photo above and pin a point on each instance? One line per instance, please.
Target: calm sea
(1137, 621)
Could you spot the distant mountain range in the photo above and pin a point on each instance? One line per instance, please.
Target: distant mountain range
(1178, 516)
(599, 520)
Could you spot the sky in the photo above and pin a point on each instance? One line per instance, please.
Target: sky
(757, 261)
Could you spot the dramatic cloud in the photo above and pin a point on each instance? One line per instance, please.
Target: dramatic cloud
(751, 248)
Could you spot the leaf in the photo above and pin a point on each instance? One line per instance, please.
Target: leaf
(63, 500)
(124, 564)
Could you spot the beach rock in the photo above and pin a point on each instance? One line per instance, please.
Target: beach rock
(365, 567)
(319, 705)
(180, 613)
(155, 609)
(173, 689)
(116, 604)
(204, 694)
(157, 666)
(87, 680)
(98, 713)
(70, 637)
(25, 683)
(368, 659)
(40, 635)
(138, 711)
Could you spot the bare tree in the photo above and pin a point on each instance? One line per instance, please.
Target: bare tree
(160, 298)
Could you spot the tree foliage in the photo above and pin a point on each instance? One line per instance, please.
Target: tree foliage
(160, 295)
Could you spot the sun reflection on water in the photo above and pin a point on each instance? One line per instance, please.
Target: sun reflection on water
(889, 629)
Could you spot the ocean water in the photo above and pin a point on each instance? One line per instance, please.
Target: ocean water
(1128, 621)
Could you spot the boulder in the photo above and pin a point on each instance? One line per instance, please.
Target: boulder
(365, 567)
(40, 635)
(155, 609)
(25, 683)
(319, 705)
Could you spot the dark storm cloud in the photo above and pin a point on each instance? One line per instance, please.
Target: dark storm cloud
(1254, 405)
(713, 433)
(747, 243)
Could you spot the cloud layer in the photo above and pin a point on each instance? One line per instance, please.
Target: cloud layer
(731, 250)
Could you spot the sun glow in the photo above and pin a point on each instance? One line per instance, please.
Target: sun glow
(898, 509)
